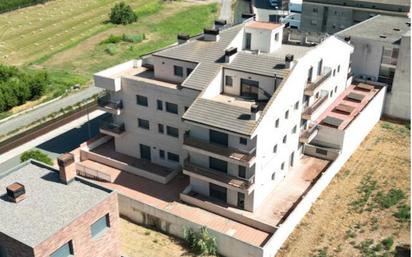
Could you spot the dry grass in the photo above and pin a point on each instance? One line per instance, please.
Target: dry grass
(138, 241)
(333, 227)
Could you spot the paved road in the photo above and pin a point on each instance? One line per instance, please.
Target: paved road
(226, 10)
(29, 117)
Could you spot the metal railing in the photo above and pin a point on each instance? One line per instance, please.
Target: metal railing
(311, 109)
(327, 72)
(112, 126)
(105, 101)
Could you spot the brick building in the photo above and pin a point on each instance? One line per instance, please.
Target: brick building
(46, 212)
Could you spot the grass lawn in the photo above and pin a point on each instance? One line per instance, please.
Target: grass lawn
(138, 241)
(365, 208)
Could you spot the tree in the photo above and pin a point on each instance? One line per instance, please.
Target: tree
(122, 14)
(36, 155)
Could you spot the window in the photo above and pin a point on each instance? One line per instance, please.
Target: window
(273, 175)
(161, 154)
(315, 10)
(217, 164)
(249, 89)
(338, 68)
(3, 252)
(313, 22)
(277, 123)
(160, 128)
(218, 137)
(294, 129)
(188, 71)
(242, 171)
(287, 114)
(171, 131)
(277, 37)
(64, 251)
(243, 141)
(282, 166)
(285, 138)
(331, 93)
(144, 124)
(173, 157)
(160, 105)
(141, 100)
(297, 105)
(336, 89)
(217, 192)
(320, 66)
(178, 71)
(334, 72)
(317, 95)
(228, 81)
(275, 148)
(310, 71)
(100, 226)
(172, 108)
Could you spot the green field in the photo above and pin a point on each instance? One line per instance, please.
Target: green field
(64, 37)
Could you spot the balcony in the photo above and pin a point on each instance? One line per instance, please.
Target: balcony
(205, 147)
(308, 112)
(312, 86)
(307, 135)
(106, 104)
(219, 178)
(112, 128)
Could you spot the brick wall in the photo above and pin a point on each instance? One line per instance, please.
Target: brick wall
(105, 245)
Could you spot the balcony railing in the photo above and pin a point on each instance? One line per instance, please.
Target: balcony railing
(112, 127)
(221, 150)
(107, 103)
(307, 135)
(308, 112)
(312, 86)
(219, 177)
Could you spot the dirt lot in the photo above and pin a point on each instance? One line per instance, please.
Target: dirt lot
(359, 214)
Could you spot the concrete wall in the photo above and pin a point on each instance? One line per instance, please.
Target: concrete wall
(398, 101)
(171, 224)
(366, 58)
(14, 248)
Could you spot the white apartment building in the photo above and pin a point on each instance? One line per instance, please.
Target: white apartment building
(228, 107)
(383, 54)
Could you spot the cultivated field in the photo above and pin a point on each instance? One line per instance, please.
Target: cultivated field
(365, 211)
(33, 32)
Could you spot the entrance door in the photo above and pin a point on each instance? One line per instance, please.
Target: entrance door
(217, 192)
(145, 152)
(248, 41)
(249, 88)
(241, 200)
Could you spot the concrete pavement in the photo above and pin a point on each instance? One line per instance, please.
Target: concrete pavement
(34, 115)
(226, 10)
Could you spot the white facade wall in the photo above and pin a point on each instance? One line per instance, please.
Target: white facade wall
(164, 69)
(129, 142)
(264, 40)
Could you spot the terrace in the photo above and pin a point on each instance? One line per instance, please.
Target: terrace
(312, 86)
(112, 128)
(107, 104)
(309, 112)
(347, 106)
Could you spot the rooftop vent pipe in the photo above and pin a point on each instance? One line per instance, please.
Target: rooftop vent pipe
(254, 112)
(220, 23)
(289, 60)
(182, 38)
(16, 192)
(211, 34)
(230, 54)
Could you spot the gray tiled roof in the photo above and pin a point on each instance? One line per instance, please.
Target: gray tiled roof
(220, 115)
(206, 53)
(259, 64)
(380, 25)
(49, 205)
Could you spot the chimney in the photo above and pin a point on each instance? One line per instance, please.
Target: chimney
(211, 35)
(220, 23)
(246, 16)
(347, 39)
(182, 38)
(16, 192)
(289, 61)
(67, 168)
(230, 54)
(254, 112)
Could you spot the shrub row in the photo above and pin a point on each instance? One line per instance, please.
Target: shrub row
(17, 86)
